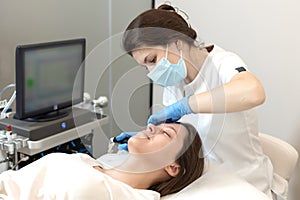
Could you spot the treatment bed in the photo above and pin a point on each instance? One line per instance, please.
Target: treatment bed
(65, 177)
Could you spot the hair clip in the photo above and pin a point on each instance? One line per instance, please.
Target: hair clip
(184, 15)
(168, 3)
(180, 12)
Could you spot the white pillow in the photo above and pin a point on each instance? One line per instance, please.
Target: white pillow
(218, 183)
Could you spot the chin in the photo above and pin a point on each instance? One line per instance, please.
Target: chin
(137, 145)
(133, 145)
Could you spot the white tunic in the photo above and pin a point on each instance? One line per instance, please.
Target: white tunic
(230, 138)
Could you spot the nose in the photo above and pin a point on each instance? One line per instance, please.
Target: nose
(152, 128)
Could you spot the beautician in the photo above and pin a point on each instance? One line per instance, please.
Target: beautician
(204, 85)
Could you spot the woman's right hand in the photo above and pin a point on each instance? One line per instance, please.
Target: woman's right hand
(122, 139)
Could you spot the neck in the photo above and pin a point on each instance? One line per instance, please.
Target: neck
(194, 61)
(137, 180)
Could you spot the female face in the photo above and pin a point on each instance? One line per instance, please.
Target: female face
(164, 138)
(149, 56)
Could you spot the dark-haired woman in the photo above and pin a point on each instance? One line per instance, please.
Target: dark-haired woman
(161, 158)
(203, 85)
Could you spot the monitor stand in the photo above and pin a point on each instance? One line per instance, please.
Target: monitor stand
(49, 116)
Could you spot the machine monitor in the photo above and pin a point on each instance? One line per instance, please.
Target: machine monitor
(49, 79)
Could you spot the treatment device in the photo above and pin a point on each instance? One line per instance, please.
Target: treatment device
(49, 97)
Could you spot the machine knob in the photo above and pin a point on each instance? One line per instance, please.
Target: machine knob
(101, 102)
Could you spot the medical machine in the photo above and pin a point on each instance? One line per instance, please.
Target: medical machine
(49, 78)
(49, 82)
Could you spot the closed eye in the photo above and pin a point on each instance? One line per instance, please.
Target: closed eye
(169, 131)
(166, 134)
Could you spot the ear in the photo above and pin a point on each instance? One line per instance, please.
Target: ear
(179, 45)
(173, 169)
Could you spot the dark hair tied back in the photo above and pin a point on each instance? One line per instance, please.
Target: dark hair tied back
(157, 27)
(166, 7)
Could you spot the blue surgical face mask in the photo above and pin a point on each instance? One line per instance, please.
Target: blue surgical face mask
(168, 74)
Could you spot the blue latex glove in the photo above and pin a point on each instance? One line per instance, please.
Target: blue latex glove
(122, 139)
(171, 113)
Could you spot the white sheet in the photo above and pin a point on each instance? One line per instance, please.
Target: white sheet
(219, 183)
(64, 177)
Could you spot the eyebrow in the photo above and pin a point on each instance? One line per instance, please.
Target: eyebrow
(171, 127)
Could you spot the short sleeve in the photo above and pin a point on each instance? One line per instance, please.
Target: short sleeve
(229, 64)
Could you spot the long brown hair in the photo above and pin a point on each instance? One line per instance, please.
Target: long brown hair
(191, 163)
(157, 27)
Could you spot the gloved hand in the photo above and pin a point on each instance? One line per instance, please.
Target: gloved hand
(122, 139)
(171, 113)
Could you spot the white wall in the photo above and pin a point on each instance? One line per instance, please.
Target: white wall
(266, 34)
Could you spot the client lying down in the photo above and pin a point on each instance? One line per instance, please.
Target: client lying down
(162, 159)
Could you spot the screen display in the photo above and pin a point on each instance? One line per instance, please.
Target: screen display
(52, 77)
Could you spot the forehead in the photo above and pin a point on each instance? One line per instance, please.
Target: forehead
(143, 51)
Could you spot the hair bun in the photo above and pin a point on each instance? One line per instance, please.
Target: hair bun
(166, 7)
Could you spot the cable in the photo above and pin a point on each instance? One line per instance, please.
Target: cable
(11, 100)
(21, 160)
(5, 88)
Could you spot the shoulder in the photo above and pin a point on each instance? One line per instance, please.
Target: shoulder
(223, 64)
(220, 57)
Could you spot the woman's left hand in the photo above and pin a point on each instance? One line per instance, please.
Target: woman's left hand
(171, 113)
